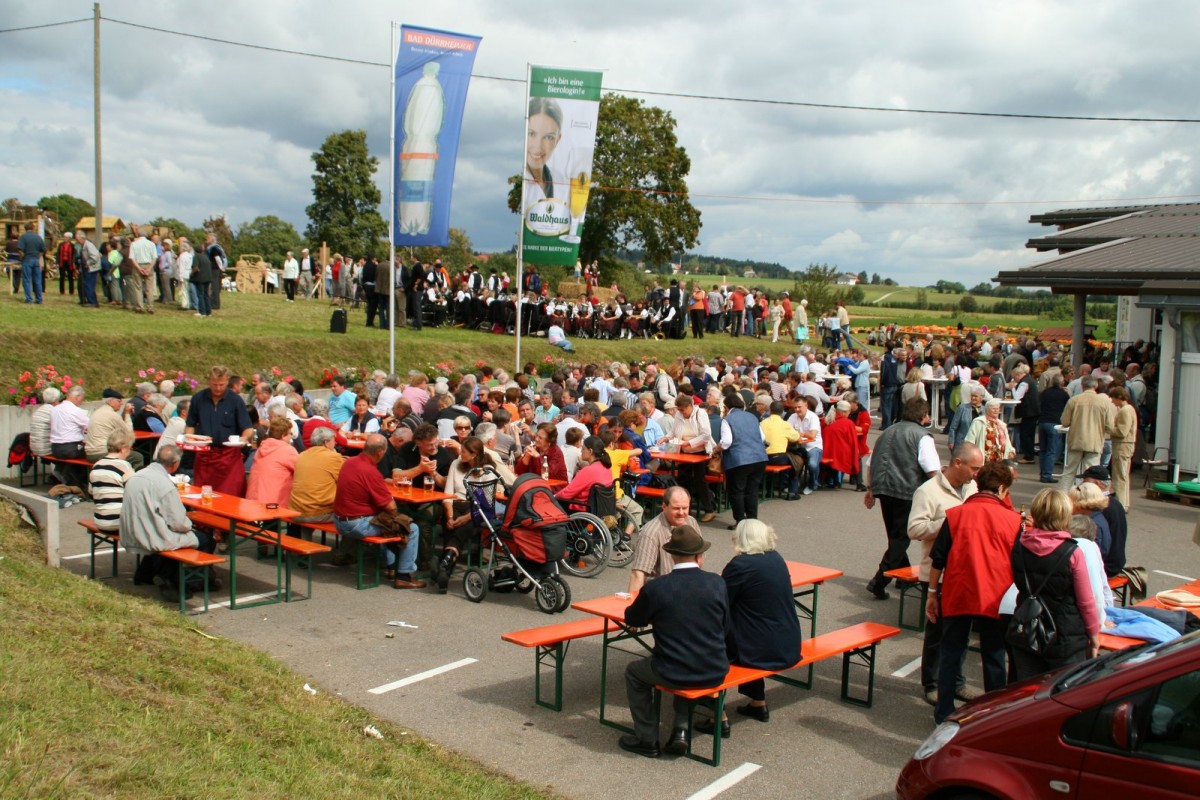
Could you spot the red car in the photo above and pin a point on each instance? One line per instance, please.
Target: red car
(1124, 725)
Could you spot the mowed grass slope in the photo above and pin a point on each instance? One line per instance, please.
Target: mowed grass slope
(107, 695)
(253, 332)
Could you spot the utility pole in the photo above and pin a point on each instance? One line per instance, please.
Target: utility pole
(96, 107)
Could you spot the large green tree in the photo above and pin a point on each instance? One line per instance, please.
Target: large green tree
(69, 209)
(345, 208)
(816, 285)
(267, 236)
(639, 193)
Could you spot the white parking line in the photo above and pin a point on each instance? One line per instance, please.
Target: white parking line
(721, 784)
(420, 676)
(98, 554)
(1172, 575)
(241, 599)
(907, 669)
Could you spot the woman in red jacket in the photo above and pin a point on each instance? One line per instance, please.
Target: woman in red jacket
(862, 424)
(971, 560)
(597, 470)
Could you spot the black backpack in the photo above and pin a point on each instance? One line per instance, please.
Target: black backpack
(1032, 626)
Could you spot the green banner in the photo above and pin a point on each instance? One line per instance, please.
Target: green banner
(560, 148)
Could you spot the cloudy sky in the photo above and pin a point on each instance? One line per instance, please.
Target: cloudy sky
(194, 128)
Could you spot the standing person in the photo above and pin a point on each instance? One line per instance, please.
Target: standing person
(764, 630)
(716, 304)
(291, 273)
(861, 372)
(737, 311)
(219, 262)
(144, 256)
(370, 273)
(689, 609)
(202, 275)
(166, 267)
(33, 253)
(1047, 557)
(990, 433)
(186, 290)
(1024, 389)
(1087, 417)
(1124, 437)
(775, 317)
(932, 499)
(891, 376)
(309, 271)
(744, 459)
(1114, 515)
(696, 308)
(1052, 403)
(905, 456)
(221, 414)
(66, 267)
(89, 263)
(971, 564)
(843, 318)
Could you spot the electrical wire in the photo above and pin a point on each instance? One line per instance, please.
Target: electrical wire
(46, 25)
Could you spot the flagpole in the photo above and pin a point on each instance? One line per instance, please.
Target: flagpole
(520, 293)
(392, 219)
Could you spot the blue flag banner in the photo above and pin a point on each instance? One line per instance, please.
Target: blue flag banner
(433, 70)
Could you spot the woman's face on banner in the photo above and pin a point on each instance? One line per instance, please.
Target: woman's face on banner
(543, 138)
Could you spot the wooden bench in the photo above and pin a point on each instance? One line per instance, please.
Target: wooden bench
(855, 644)
(298, 552)
(650, 498)
(716, 482)
(78, 462)
(360, 549)
(99, 538)
(908, 581)
(1120, 588)
(193, 563)
(550, 643)
(770, 480)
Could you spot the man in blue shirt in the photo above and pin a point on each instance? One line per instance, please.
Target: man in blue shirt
(33, 250)
(341, 402)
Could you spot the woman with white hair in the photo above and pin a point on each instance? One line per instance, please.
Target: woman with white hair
(990, 433)
(964, 415)
(764, 630)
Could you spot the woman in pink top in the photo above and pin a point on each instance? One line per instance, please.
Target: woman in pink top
(274, 465)
(597, 470)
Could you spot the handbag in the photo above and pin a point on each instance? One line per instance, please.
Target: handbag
(715, 465)
(1032, 627)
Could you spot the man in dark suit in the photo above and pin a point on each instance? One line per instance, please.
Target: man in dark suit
(689, 609)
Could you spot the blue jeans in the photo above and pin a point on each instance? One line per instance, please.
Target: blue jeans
(361, 528)
(1051, 448)
(956, 632)
(31, 278)
(813, 456)
(89, 289)
(203, 300)
(887, 406)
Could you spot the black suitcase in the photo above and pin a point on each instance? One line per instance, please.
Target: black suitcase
(337, 323)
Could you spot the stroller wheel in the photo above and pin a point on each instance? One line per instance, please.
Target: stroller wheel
(546, 595)
(564, 592)
(475, 585)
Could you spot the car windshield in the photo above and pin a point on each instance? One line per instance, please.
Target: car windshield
(1107, 664)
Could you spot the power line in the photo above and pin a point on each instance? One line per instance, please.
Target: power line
(687, 96)
(46, 25)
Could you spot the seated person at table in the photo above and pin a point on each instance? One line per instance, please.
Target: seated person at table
(107, 479)
(314, 482)
(595, 467)
(274, 465)
(689, 610)
(426, 463)
(571, 450)
(361, 494)
(149, 418)
(764, 632)
(489, 435)
(153, 520)
(459, 531)
(543, 448)
(362, 421)
(319, 418)
(620, 458)
(649, 560)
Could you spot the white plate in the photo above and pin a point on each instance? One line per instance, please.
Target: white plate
(238, 443)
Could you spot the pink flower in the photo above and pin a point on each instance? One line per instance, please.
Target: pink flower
(12, 390)
(141, 373)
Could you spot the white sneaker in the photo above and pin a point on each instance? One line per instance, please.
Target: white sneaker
(807, 490)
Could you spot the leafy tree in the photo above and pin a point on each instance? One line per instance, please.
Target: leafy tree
(345, 209)
(922, 299)
(816, 284)
(68, 208)
(968, 304)
(982, 288)
(11, 206)
(889, 282)
(456, 256)
(856, 296)
(862, 276)
(268, 236)
(875, 279)
(639, 174)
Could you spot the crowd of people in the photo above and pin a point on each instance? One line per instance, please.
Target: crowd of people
(604, 424)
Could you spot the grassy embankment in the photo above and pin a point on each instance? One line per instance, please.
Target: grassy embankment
(107, 695)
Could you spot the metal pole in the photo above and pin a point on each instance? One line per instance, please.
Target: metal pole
(1078, 342)
(521, 222)
(96, 117)
(393, 271)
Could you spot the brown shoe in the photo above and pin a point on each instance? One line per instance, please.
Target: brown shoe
(405, 581)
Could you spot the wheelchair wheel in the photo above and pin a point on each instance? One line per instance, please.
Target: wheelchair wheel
(475, 585)
(589, 545)
(624, 537)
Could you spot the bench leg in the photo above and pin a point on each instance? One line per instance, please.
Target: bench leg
(717, 706)
(913, 588)
(863, 656)
(553, 655)
(186, 573)
(1122, 595)
(359, 557)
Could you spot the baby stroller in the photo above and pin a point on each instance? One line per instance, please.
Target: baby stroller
(524, 549)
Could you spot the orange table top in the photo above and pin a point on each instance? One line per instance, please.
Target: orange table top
(610, 606)
(411, 494)
(682, 458)
(805, 574)
(356, 444)
(238, 509)
(146, 435)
